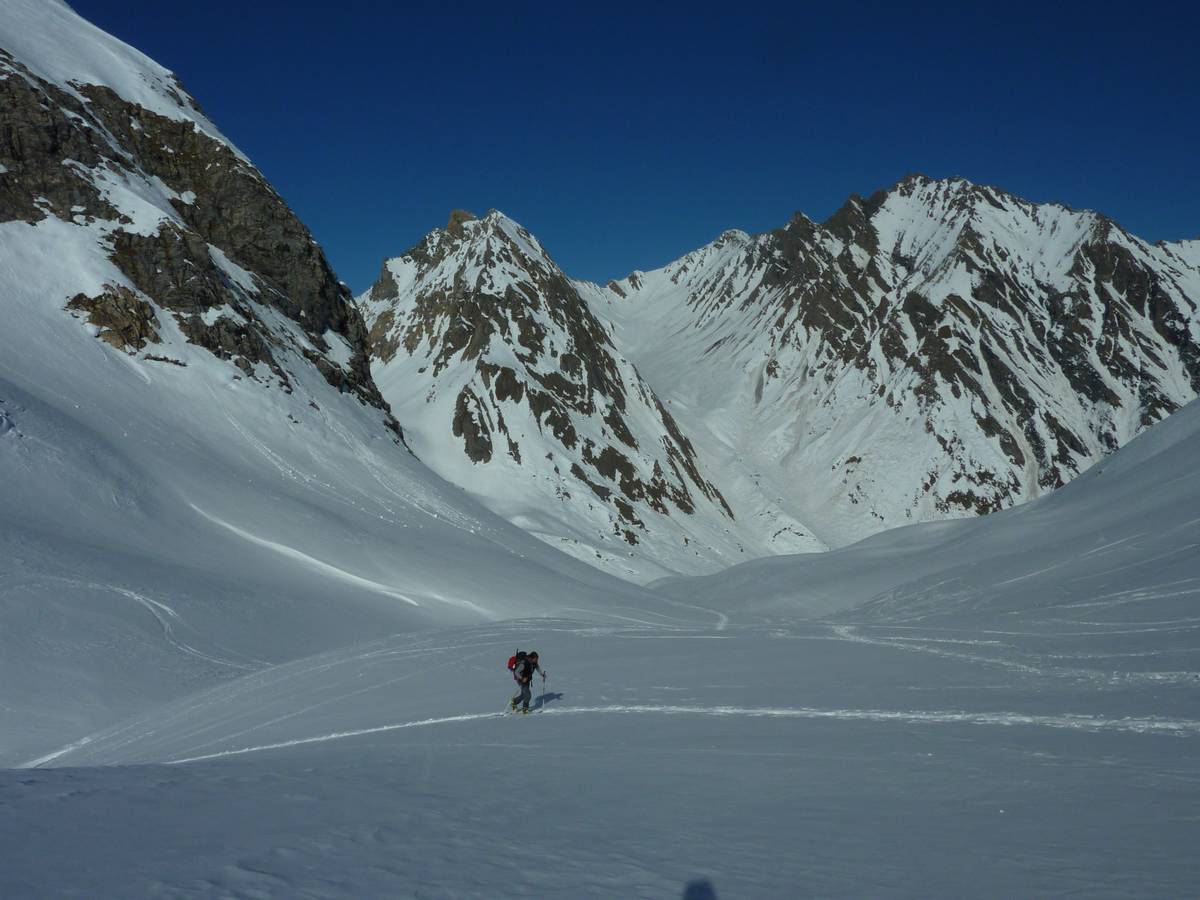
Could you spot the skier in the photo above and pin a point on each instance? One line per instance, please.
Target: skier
(523, 667)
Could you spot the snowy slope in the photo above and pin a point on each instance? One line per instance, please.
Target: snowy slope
(1000, 729)
(763, 764)
(1118, 545)
(509, 386)
(200, 477)
(940, 349)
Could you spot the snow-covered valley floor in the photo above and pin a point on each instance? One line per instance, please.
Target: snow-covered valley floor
(772, 760)
(289, 697)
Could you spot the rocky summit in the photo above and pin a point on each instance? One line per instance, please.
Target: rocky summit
(511, 386)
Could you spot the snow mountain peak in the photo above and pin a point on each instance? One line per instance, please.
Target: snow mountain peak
(937, 349)
(517, 392)
(942, 348)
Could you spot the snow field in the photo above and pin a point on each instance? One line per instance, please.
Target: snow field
(762, 761)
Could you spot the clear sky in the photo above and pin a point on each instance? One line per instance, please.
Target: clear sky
(624, 135)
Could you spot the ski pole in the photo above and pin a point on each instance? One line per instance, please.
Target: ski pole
(542, 705)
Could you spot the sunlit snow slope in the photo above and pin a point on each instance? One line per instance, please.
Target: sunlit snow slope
(1119, 544)
(780, 761)
(1002, 707)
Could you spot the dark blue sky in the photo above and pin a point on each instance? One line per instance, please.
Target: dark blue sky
(624, 137)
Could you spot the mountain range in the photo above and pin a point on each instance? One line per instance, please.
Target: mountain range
(937, 350)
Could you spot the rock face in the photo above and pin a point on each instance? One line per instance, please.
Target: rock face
(939, 349)
(96, 135)
(511, 387)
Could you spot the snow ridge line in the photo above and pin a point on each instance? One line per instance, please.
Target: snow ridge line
(1152, 725)
(311, 562)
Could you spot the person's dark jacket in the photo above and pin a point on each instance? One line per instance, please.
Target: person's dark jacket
(524, 669)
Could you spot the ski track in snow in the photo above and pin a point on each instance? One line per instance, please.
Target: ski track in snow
(914, 645)
(167, 619)
(946, 646)
(53, 755)
(722, 619)
(164, 614)
(1152, 725)
(333, 571)
(177, 721)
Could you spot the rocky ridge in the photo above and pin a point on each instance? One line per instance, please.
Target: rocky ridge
(936, 350)
(201, 247)
(511, 387)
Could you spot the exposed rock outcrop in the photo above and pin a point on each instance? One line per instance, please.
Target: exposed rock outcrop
(210, 243)
(968, 349)
(515, 367)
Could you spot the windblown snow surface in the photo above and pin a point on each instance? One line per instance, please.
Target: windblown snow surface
(995, 707)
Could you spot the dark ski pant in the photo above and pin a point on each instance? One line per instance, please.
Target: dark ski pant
(524, 697)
